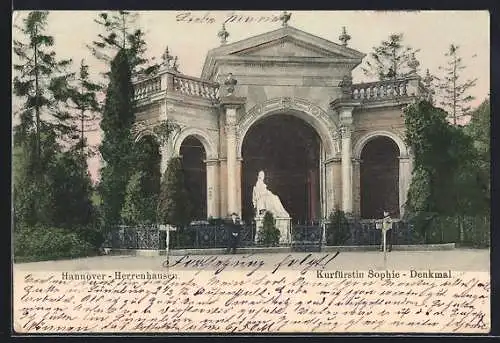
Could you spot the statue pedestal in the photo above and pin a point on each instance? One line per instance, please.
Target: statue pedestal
(283, 224)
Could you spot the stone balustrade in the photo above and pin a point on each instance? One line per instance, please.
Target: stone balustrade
(195, 87)
(175, 83)
(380, 90)
(146, 87)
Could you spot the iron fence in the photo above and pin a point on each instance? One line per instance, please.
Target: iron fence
(307, 237)
(471, 231)
(365, 232)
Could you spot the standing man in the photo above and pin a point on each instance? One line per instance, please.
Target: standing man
(386, 230)
(233, 233)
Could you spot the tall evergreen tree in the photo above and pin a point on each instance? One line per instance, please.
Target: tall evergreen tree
(71, 191)
(83, 95)
(174, 207)
(39, 81)
(391, 59)
(117, 143)
(120, 32)
(454, 91)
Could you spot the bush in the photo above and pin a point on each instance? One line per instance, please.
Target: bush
(466, 231)
(40, 243)
(337, 229)
(269, 235)
(215, 221)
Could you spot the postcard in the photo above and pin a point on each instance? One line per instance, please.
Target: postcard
(251, 172)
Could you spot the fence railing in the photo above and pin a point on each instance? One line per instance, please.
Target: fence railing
(475, 232)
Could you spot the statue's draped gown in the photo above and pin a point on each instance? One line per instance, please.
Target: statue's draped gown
(263, 199)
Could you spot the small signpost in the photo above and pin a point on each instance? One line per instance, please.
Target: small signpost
(384, 225)
(167, 228)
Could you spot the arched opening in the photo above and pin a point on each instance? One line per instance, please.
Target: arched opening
(379, 175)
(195, 175)
(149, 160)
(287, 149)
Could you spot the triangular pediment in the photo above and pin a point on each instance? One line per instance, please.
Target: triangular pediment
(284, 42)
(286, 46)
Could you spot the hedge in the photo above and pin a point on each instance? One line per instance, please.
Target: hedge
(42, 243)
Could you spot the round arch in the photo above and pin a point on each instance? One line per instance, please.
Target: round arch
(201, 135)
(361, 143)
(317, 118)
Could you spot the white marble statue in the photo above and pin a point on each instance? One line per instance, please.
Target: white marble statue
(264, 199)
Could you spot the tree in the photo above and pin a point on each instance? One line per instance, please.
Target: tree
(71, 191)
(33, 196)
(391, 59)
(120, 34)
(83, 94)
(479, 130)
(117, 143)
(139, 208)
(40, 80)
(454, 93)
(174, 207)
(444, 179)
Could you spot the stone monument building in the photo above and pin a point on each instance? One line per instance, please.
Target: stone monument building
(284, 102)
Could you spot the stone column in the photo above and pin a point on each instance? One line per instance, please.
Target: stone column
(231, 105)
(212, 187)
(231, 159)
(329, 188)
(346, 167)
(404, 181)
(356, 185)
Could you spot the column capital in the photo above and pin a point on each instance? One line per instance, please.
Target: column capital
(344, 105)
(211, 162)
(332, 160)
(345, 130)
(232, 102)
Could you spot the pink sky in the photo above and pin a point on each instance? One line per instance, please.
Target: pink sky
(430, 31)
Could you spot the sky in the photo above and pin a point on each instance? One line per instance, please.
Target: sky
(190, 34)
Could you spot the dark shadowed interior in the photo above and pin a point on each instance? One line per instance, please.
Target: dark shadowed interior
(195, 173)
(287, 149)
(379, 178)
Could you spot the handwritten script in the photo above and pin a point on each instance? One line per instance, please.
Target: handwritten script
(239, 301)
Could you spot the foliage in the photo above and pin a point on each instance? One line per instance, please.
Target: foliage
(33, 198)
(269, 235)
(119, 33)
(71, 192)
(139, 207)
(164, 130)
(83, 95)
(117, 144)
(391, 59)
(454, 93)
(337, 229)
(40, 80)
(174, 207)
(479, 130)
(476, 231)
(446, 180)
(48, 243)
